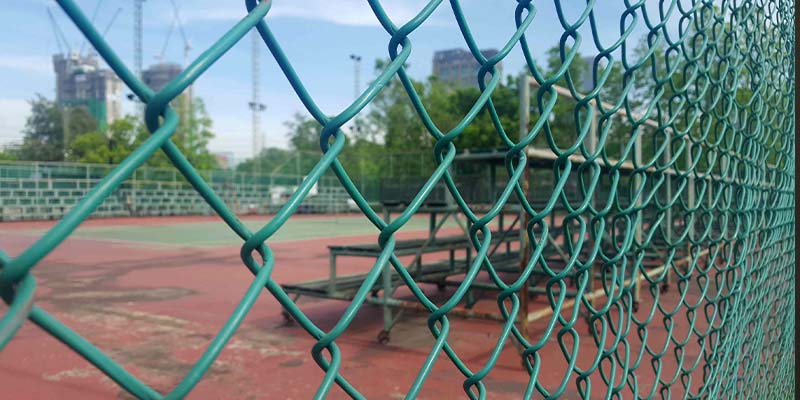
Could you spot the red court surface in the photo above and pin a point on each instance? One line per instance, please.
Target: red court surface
(154, 309)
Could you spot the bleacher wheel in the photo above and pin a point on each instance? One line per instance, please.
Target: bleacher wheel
(383, 337)
(287, 318)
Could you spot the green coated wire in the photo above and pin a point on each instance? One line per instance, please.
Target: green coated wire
(713, 195)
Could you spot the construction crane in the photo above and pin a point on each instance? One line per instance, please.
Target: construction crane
(256, 106)
(94, 17)
(105, 31)
(60, 38)
(160, 55)
(187, 109)
(137, 37)
(75, 67)
(187, 45)
(176, 22)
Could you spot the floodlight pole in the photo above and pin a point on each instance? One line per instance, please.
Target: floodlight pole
(137, 45)
(356, 75)
(255, 104)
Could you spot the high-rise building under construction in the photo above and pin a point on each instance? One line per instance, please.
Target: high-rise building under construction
(158, 75)
(80, 82)
(459, 66)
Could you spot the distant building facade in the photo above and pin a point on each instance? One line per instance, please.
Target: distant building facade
(459, 67)
(80, 82)
(158, 75)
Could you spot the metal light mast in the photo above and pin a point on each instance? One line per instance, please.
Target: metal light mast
(137, 43)
(356, 74)
(256, 106)
(137, 37)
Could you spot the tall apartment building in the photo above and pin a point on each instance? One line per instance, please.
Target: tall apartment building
(158, 75)
(458, 66)
(81, 82)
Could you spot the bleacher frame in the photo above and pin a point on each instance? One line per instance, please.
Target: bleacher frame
(437, 273)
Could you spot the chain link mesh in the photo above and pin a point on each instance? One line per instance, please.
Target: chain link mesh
(711, 194)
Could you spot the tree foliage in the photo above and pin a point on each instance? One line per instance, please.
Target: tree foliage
(106, 148)
(45, 133)
(191, 136)
(392, 124)
(44, 136)
(271, 160)
(393, 117)
(8, 155)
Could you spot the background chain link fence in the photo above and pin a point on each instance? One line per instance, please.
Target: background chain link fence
(704, 178)
(48, 190)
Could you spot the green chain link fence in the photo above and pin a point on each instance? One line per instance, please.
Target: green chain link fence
(710, 184)
(47, 190)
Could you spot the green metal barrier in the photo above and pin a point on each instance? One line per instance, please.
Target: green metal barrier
(716, 190)
(48, 190)
(33, 190)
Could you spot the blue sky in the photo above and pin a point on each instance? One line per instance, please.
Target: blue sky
(317, 35)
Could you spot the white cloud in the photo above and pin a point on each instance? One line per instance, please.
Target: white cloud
(347, 12)
(341, 12)
(13, 113)
(233, 134)
(37, 64)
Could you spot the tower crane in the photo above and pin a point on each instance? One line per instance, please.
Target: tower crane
(187, 45)
(176, 22)
(61, 40)
(187, 109)
(105, 31)
(94, 17)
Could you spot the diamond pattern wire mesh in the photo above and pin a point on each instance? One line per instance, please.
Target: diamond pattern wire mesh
(713, 196)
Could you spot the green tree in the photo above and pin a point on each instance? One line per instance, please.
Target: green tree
(111, 147)
(481, 133)
(392, 115)
(45, 133)
(303, 133)
(92, 148)
(616, 128)
(303, 153)
(304, 147)
(8, 154)
(270, 161)
(563, 122)
(365, 157)
(192, 135)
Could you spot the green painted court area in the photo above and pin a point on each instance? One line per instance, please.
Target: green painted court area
(216, 233)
